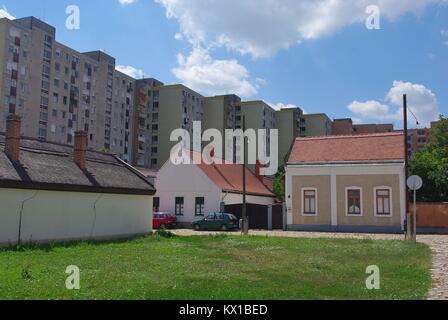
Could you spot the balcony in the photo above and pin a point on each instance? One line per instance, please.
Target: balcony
(141, 138)
(15, 57)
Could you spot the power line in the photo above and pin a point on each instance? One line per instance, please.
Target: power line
(415, 117)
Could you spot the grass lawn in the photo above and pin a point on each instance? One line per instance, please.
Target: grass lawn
(218, 267)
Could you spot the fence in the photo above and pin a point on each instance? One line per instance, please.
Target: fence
(432, 217)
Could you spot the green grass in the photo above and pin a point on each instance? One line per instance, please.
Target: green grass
(218, 267)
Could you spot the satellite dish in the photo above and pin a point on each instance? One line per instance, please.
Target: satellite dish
(415, 183)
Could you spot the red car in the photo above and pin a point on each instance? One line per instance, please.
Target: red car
(163, 220)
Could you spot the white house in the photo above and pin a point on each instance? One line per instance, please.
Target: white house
(50, 192)
(192, 190)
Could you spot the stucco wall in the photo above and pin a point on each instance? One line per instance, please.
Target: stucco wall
(322, 184)
(189, 182)
(368, 184)
(55, 216)
(330, 182)
(234, 198)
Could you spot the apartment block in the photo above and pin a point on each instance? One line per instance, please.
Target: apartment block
(146, 128)
(58, 90)
(316, 125)
(179, 107)
(221, 113)
(290, 126)
(259, 115)
(346, 127)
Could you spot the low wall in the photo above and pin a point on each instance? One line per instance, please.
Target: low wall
(49, 216)
(432, 217)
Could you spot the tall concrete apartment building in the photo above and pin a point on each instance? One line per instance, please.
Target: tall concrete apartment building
(315, 125)
(346, 127)
(223, 112)
(58, 90)
(290, 126)
(259, 115)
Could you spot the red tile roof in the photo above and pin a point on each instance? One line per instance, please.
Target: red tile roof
(229, 177)
(352, 148)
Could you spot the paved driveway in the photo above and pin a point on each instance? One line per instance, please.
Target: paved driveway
(437, 243)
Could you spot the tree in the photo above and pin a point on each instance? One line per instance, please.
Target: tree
(431, 164)
(279, 184)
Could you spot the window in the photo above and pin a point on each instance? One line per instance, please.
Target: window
(353, 201)
(156, 204)
(383, 203)
(179, 208)
(309, 201)
(199, 206)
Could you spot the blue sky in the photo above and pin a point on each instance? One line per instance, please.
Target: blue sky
(322, 59)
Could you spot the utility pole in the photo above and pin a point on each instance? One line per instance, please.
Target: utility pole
(409, 225)
(244, 213)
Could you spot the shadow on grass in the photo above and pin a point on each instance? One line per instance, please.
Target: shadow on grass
(50, 246)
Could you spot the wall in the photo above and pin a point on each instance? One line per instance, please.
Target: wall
(56, 216)
(432, 215)
(331, 181)
(189, 182)
(368, 185)
(235, 198)
(322, 184)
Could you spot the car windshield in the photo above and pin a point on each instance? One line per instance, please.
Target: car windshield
(232, 217)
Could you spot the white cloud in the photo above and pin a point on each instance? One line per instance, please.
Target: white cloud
(371, 110)
(444, 34)
(421, 101)
(263, 27)
(5, 14)
(179, 36)
(202, 73)
(279, 106)
(131, 71)
(126, 2)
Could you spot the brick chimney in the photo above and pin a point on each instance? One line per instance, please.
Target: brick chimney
(12, 141)
(80, 149)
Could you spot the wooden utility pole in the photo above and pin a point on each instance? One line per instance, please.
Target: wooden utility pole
(244, 213)
(409, 225)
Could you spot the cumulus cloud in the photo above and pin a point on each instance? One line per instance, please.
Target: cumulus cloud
(202, 73)
(260, 28)
(444, 34)
(126, 2)
(371, 110)
(279, 106)
(421, 101)
(5, 14)
(131, 71)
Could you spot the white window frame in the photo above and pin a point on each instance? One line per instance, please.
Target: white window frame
(361, 214)
(391, 204)
(303, 202)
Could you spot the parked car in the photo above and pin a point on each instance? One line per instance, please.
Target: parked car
(163, 220)
(217, 221)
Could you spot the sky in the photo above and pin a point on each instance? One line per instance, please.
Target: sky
(344, 58)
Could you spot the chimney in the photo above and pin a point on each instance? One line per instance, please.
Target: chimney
(12, 141)
(258, 170)
(80, 149)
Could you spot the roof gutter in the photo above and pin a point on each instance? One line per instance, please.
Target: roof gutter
(343, 164)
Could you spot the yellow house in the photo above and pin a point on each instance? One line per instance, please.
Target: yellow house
(347, 183)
